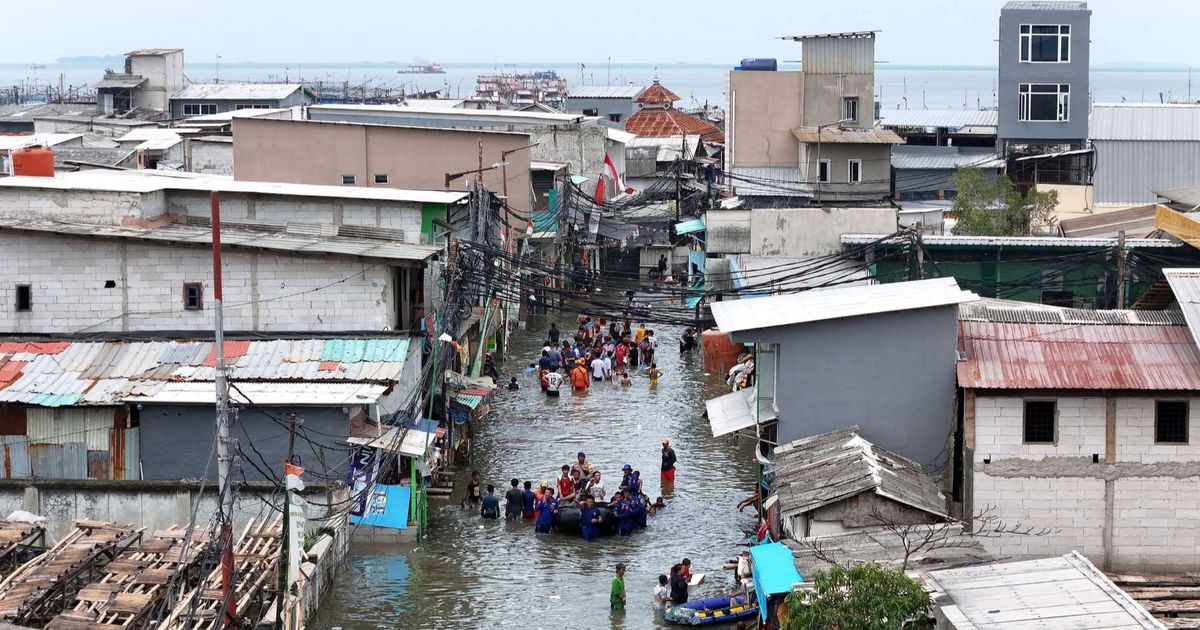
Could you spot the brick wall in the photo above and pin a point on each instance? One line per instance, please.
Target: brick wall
(1152, 490)
(263, 291)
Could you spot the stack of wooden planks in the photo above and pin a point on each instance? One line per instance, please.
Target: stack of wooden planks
(1173, 599)
(135, 583)
(40, 588)
(256, 561)
(18, 537)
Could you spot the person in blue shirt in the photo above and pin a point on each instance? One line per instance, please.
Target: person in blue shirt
(527, 502)
(590, 520)
(635, 483)
(638, 507)
(490, 505)
(627, 478)
(624, 510)
(544, 362)
(545, 511)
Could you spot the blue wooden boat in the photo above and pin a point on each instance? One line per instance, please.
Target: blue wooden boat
(711, 610)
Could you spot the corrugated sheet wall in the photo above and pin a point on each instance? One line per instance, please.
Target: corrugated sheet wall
(839, 55)
(1129, 171)
(74, 443)
(63, 425)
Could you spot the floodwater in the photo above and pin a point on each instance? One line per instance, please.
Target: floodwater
(473, 573)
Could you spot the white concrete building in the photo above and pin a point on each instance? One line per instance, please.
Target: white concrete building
(1079, 425)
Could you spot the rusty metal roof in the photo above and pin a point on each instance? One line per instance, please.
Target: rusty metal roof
(78, 373)
(1088, 356)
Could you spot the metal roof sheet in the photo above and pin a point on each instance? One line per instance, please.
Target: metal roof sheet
(231, 237)
(605, 91)
(946, 118)
(1145, 121)
(847, 135)
(236, 91)
(1026, 5)
(1185, 285)
(943, 158)
(811, 306)
(10, 142)
(119, 81)
(824, 469)
(1051, 593)
(1088, 356)
(284, 370)
(735, 411)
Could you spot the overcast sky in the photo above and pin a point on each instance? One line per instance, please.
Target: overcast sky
(939, 32)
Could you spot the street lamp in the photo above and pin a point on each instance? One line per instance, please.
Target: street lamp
(453, 176)
(830, 174)
(504, 161)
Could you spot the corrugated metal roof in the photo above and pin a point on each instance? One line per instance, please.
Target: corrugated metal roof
(1018, 241)
(943, 158)
(735, 411)
(109, 372)
(947, 118)
(10, 142)
(1145, 121)
(1026, 5)
(119, 81)
(1065, 592)
(1077, 356)
(847, 135)
(1185, 285)
(605, 91)
(824, 469)
(811, 306)
(236, 91)
(290, 241)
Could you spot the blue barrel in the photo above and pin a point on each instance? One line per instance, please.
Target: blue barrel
(759, 65)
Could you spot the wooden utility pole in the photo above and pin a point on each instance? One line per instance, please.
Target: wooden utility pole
(1121, 269)
(224, 456)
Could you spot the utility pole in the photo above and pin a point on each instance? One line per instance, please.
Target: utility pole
(679, 175)
(224, 456)
(1121, 269)
(285, 547)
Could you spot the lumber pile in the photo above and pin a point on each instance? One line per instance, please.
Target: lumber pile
(1173, 599)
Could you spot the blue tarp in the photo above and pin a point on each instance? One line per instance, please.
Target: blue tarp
(387, 506)
(774, 572)
(687, 227)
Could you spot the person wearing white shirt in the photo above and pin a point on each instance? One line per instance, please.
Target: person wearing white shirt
(662, 594)
(598, 369)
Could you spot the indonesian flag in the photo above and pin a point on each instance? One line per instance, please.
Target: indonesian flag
(599, 198)
(612, 170)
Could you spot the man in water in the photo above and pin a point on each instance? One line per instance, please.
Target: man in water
(654, 374)
(667, 477)
(687, 342)
(554, 382)
(627, 476)
(566, 485)
(599, 369)
(617, 597)
(528, 501)
(512, 501)
(545, 509)
(490, 505)
(513, 385)
(581, 464)
(472, 497)
(624, 510)
(589, 519)
(579, 377)
(679, 586)
(554, 333)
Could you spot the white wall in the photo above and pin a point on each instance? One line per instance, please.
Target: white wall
(813, 231)
(263, 291)
(1147, 501)
(213, 158)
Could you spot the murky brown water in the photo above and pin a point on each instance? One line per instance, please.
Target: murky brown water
(473, 573)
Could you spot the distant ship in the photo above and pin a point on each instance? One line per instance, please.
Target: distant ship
(432, 68)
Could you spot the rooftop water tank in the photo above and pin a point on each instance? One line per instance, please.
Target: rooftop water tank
(759, 65)
(36, 161)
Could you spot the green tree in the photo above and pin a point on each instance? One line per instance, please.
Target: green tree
(863, 597)
(995, 208)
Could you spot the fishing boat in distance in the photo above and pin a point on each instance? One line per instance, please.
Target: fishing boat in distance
(429, 68)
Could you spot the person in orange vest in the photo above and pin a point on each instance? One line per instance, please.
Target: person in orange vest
(580, 379)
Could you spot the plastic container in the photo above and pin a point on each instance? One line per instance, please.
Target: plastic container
(759, 65)
(35, 161)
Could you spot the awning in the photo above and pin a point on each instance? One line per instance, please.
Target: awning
(412, 444)
(734, 412)
(774, 571)
(416, 443)
(261, 392)
(687, 227)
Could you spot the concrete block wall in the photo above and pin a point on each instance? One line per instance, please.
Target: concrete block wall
(312, 210)
(1139, 513)
(263, 291)
(212, 158)
(87, 206)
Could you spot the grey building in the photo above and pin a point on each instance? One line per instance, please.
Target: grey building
(612, 103)
(927, 172)
(1144, 148)
(1043, 89)
(879, 356)
(200, 99)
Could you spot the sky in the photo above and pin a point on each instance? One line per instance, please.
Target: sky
(932, 32)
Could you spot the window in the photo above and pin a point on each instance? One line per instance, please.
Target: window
(614, 117)
(1171, 422)
(252, 106)
(380, 178)
(854, 171)
(199, 109)
(824, 168)
(193, 296)
(591, 112)
(349, 180)
(1039, 421)
(1044, 102)
(850, 108)
(24, 297)
(1046, 43)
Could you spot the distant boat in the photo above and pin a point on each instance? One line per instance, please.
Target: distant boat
(432, 68)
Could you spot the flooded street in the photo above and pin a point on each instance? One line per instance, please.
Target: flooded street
(473, 573)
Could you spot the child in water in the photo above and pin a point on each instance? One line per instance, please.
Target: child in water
(654, 373)
(625, 379)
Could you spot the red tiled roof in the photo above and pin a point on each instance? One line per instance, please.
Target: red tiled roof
(655, 122)
(1077, 356)
(656, 93)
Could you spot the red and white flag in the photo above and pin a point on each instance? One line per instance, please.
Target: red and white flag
(612, 170)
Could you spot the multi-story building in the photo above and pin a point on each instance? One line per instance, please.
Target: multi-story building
(612, 103)
(1043, 80)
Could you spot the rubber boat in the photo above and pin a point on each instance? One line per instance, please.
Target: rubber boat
(712, 610)
(569, 520)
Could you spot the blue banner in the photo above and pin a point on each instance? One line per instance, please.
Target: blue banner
(387, 507)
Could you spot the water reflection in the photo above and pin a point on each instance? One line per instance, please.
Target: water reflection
(473, 573)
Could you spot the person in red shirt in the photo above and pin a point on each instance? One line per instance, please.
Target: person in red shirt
(566, 485)
(619, 354)
(580, 379)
